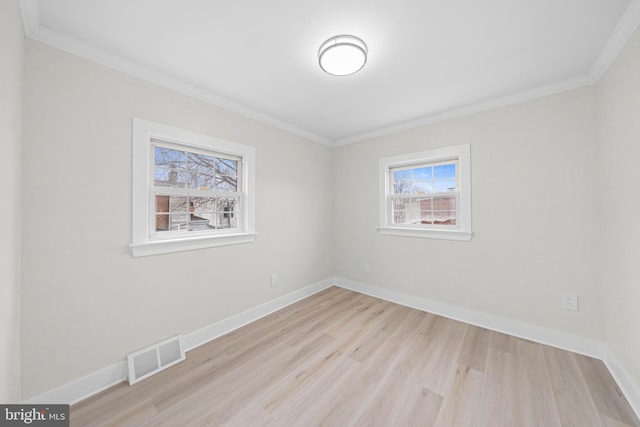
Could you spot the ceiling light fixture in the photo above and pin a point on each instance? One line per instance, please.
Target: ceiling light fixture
(342, 55)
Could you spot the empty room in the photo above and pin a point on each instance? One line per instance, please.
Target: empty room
(300, 213)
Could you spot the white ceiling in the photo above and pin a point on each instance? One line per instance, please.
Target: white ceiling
(428, 60)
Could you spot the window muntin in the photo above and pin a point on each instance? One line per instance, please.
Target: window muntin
(427, 194)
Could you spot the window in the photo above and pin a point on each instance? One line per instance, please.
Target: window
(427, 194)
(190, 191)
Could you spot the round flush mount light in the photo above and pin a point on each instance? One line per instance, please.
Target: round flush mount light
(342, 55)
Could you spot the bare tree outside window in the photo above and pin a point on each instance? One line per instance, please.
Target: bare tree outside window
(213, 204)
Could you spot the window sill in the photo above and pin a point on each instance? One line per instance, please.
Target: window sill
(156, 247)
(426, 234)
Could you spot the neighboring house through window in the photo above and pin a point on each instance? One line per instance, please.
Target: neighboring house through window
(190, 191)
(427, 194)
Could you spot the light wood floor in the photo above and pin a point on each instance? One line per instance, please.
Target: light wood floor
(340, 358)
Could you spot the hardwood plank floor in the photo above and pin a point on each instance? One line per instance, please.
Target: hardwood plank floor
(340, 358)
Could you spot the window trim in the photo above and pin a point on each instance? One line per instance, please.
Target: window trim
(462, 231)
(144, 132)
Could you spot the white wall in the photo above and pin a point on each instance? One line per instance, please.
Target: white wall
(542, 224)
(11, 78)
(535, 220)
(86, 301)
(619, 169)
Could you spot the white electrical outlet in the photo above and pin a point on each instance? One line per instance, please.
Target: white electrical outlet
(365, 267)
(570, 301)
(274, 280)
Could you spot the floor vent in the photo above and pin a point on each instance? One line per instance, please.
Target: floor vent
(155, 358)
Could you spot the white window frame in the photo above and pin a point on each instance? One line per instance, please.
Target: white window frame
(144, 240)
(462, 229)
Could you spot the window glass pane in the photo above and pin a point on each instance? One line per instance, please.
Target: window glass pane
(444, 217)
(397, 207)
(227, 204)
(200, 181)
(201, 169)
(227, 220)
(162, 222)
(402, 182)
(202, 210)
(205, 182)
(421, 187)
(162, 203)
(168, 157)
(226, 183)
(201, 163)
(202, 204)
(444, 185)
(426, 204)
(170, 177)
(178, 222)
(406, 211)
(227, 167)
(226, 174)
(177, 204)
(168, 167)
(202, 213)
(227, 209)
(162, 206)
(422, 174)
(200, 221)
(444, 203)
(161, 177)
(445, 171)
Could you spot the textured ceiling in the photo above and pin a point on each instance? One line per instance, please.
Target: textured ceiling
(428, 59)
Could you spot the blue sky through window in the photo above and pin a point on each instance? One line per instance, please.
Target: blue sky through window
(425, 179)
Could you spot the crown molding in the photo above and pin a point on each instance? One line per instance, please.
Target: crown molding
(469, 109)
(33, 30)
(37, 32)
(623, 31)
(621, 34)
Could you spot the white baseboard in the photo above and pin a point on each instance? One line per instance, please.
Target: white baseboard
(84, 387)
(98, 381)
(206, 334)
(563, 340)
(625, 381)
